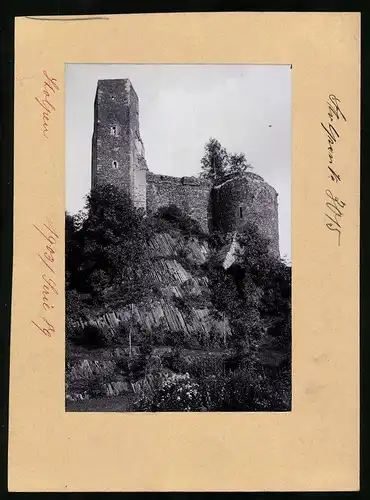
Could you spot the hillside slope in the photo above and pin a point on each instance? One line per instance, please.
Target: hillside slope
(176, 311)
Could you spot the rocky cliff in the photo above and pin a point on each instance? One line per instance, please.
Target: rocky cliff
(180, 301)
(178, 306)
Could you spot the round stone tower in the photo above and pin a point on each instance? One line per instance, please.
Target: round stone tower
(246, 198)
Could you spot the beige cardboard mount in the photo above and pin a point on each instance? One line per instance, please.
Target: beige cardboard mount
(315, 447)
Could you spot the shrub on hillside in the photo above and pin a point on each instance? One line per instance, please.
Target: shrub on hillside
(173, 215)
(170, 393)
(75, 306)
(96, 387)
(173, 360)
(139, 364)
(246, 389)
(203, 366)
(88, 336)
(106, 252)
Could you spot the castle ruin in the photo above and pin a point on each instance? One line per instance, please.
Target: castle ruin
(118, 157)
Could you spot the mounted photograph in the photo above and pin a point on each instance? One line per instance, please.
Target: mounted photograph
(178, 238)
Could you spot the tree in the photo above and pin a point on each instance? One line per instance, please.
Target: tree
(254, 293)
(69, 230)
(214, 163)
(73, 251)
(217, 163)
(237, 163)
(111, 247)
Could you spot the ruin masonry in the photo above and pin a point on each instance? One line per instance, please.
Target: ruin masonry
(118, 158)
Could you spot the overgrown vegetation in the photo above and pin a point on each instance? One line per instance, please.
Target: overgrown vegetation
(106, 257)
(246, 389)
(107, 266)
(105, 253)
(171, 217)
(254, 293)
(217, 163)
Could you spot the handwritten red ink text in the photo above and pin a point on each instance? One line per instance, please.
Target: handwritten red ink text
(49, 89)
(48, 287)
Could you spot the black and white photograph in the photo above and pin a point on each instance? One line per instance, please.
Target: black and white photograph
(178, 238)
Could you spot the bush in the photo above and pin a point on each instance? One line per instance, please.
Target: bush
(202, 366)
(96, 386)
(107, 254)
(158, 335)
(182, 305)
(181, 392)
(173, 360)
(217, 239)
(123, 366)
(171, 213)
(75, 306)
(175, 217)
(206, 386)
(138, 365)
(88, 336)
(246, 389)
(170, 393)
(175, 339)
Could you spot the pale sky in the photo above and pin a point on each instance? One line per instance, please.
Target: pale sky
(180, 108)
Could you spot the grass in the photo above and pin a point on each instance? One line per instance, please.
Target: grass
(121, 403)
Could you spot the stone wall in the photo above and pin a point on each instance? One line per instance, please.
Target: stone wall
(118, 157)
(139, 186)
(190, 194)
(240, 200)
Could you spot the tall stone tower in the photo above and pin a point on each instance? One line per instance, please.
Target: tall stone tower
(118, 155)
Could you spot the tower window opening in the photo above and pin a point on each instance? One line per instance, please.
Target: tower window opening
(112, 97)
(241, 212)
(113, 131)
(115, 164)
